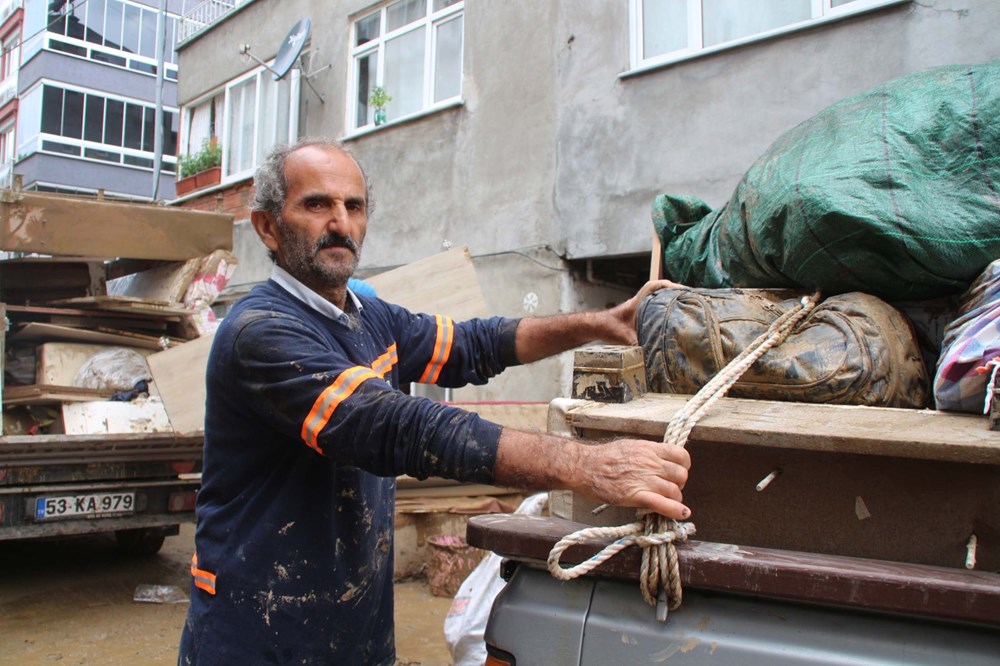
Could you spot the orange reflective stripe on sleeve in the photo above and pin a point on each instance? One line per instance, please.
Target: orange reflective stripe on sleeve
(442, 350)
(341, 389)
(204, 580)
(383, 364)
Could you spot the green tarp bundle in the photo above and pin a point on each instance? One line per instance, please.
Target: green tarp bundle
(894, 192)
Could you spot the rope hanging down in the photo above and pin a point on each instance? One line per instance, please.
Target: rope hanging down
(659, 574)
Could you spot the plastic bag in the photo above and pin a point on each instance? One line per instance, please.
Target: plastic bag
(890, 192)
(971, 347)
(465, 623)
(115, 368)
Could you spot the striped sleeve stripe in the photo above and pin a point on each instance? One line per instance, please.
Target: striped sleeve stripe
(204, 580)
(341, 389)
(383, 364)
(442, 350)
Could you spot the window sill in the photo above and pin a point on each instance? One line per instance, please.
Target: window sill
(371, 129)
(678, 57)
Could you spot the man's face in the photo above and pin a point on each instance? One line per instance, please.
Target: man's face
(322, 226)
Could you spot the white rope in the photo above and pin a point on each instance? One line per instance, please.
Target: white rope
(659, 574)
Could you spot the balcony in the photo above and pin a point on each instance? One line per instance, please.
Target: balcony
(203, 15)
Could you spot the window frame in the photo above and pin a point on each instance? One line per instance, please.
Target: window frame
(822, 11)
(430, 22)
(34, 143)
(222, 129)
(133, 61)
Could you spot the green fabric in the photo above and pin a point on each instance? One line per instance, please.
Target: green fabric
(894, 192)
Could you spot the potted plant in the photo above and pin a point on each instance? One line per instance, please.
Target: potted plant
(378, 99)
(200, 169)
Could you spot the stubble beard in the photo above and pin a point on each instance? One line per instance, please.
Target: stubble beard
(304, 262)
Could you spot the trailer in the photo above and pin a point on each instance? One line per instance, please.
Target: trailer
(61, 252)
(825, 534)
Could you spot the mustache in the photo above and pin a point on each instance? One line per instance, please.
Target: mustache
(336, 240)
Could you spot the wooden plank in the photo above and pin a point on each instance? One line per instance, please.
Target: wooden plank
(656, 258)
(531, 416)
(36, 279)
(443, 283)
(125, 304)
(179, 375)
(904, 433)
(893, 587)
(58, 225)
(74, 318)
(451, 492)
(107, 417)
(42, 332)
(39, 394)
(163, 284)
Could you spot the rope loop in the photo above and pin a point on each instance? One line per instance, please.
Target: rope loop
(659, 573)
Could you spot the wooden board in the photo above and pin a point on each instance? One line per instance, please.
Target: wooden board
(39, 394)
(443, 283)
(58, 362)
(107, 417)
(38, 279)
(812, 578)
(530, 416)
(125, 304)
(903, 433)
(179, 375)
(92, 319)
(163, 284)
(60, 225)
(42, 332)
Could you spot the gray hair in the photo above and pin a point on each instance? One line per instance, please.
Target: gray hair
(270, 185)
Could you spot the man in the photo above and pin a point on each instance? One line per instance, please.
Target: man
(305, 432)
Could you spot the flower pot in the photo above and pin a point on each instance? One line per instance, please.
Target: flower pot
(380, 116)
(185, 185)
(208, 177)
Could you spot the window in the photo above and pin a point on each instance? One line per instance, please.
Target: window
(110, 31)
(10, 54)
(9, 64)
(78, 122)
(413, 49)
(6, 153)
(249, 116)
(665, 31)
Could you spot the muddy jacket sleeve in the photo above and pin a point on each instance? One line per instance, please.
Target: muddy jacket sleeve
(334, 388)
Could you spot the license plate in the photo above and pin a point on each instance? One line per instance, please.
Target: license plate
(96, 505)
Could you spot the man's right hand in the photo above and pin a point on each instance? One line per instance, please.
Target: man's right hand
(624, 472)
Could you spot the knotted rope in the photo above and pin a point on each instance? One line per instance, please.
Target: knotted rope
(659, 574)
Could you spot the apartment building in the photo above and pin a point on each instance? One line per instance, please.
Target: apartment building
(81, 92)
(538, 133)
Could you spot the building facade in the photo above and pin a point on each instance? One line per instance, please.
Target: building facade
(538, 133)
(81, 96)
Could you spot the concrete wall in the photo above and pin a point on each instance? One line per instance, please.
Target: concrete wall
(696, 126)
(553, 155)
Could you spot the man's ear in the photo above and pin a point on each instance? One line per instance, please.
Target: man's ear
(266, 227)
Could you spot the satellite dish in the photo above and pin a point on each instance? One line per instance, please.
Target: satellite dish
(291, 48)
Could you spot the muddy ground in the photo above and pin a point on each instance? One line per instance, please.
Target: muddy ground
(70, 602)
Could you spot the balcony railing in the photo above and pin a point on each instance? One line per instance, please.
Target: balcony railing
(203, 15)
